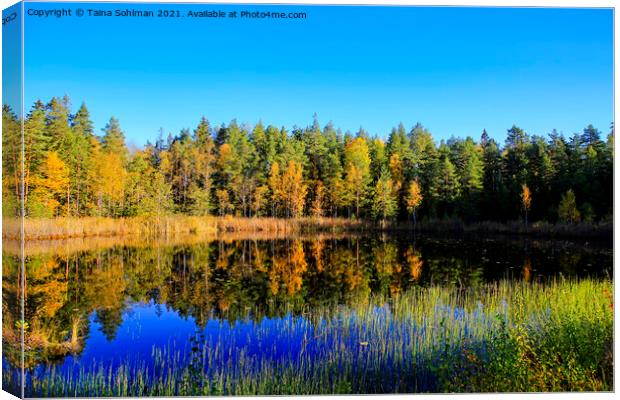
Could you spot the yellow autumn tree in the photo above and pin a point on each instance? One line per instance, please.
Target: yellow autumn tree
(225, 156)
(317, 247)
(294, 189)
(107, 179)
(357, 168)
(52, 184)
(396, 171)
(223, 201)
(337, 195)
(317, 203)
(113, 176)
(297, 267)
(258, 199)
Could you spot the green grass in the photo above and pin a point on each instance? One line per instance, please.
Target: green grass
(509, 336)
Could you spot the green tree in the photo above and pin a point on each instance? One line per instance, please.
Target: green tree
(57, 124)
(11, 162)
(540, 176)
(202, 159)
(113, 140)
(423, 155)
(79, 159)
(444, 186)
(516, 160)
(567, 210)
(36, 144)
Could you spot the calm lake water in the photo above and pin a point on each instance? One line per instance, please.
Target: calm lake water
(115, 305)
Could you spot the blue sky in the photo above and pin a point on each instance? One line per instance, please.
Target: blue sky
(455, 70)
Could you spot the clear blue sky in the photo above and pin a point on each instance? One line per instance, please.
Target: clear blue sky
(455, 70)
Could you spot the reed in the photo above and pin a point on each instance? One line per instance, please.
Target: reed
(63, 228)
(504, 336)
(211, 226)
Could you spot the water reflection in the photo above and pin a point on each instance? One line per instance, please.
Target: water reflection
(77, 301)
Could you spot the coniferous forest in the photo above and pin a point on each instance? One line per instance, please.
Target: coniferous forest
(73, 169)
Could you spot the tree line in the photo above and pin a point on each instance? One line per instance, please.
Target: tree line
(263, 170)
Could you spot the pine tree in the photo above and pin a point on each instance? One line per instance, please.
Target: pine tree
(202, 158)
(57, 125)
(80, 160)
(36, 143)
(113, 140)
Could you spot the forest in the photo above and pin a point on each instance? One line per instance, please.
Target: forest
(72, 170)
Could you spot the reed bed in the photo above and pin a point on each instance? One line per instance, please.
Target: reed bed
(86, 227)
(507, 336)
(63, 228)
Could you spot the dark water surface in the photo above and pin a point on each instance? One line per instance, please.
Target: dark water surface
(107, 306)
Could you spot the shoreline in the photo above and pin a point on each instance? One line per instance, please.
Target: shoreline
(209, 226)
(89, 227)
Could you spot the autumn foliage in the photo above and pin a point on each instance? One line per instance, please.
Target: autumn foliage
(71, 170)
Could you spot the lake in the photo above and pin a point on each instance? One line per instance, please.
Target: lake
(192, 317)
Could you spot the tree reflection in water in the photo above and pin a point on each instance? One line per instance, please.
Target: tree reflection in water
(252, 278)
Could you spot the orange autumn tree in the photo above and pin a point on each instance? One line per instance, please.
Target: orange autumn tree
(526, 199)
(414, 199)
(415, 263)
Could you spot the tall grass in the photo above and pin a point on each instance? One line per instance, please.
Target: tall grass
(62, 228)
(500, 337)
